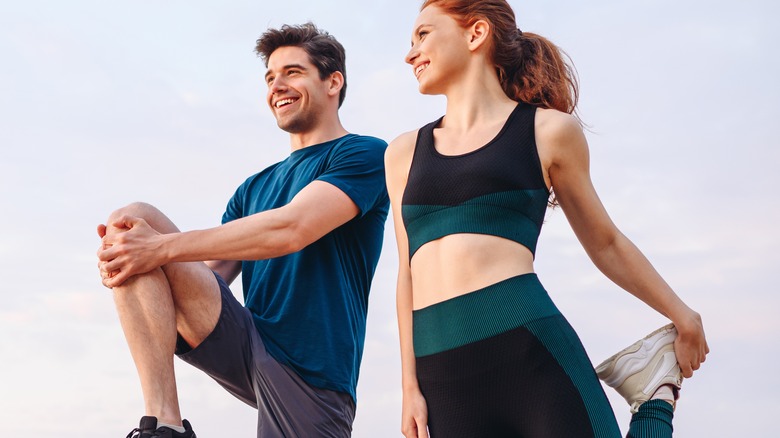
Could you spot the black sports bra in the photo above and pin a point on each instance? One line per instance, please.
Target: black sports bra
(498, 189)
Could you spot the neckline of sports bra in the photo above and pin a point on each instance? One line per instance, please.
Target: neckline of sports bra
(486, 145)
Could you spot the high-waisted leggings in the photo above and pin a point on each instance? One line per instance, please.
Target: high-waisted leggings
(503, 362)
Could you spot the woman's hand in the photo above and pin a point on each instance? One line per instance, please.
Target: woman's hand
(414, 415)
(690, 347)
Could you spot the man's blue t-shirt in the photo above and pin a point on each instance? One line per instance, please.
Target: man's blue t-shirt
(310, 306)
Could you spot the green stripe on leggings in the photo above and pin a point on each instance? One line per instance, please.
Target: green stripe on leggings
(462, 320)
(559, 338)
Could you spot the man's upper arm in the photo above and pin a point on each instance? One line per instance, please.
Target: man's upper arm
(357, 169)
(352, 185)
(318, 209)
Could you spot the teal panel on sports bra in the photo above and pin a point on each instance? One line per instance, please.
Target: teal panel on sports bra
(504, 214)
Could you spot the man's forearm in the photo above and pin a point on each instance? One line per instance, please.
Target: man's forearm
(227, 269)
(261, 236)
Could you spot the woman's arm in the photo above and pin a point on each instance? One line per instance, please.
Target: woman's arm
(564, 153)
(414, 416)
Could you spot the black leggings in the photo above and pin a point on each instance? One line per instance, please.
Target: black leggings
(503, 362)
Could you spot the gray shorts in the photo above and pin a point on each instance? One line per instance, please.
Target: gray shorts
(234, 355)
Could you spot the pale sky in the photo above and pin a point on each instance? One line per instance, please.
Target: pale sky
(104, 103)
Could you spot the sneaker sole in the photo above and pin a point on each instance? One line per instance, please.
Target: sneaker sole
(627, 358)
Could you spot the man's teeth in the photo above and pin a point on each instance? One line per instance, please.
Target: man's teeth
(284, 102)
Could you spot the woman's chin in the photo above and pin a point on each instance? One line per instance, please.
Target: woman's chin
(424, 88)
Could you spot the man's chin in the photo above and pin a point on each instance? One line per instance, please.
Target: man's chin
(292, 126)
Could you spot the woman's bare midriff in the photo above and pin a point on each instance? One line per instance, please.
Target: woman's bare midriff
(461, 263)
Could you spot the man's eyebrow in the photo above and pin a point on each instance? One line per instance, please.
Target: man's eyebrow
(288, 67)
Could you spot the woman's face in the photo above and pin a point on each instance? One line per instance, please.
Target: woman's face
(439, 50)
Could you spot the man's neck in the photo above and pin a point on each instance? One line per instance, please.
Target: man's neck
(300, 140)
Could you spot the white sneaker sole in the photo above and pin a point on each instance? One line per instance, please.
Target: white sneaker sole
(638, 371)
(637, 356)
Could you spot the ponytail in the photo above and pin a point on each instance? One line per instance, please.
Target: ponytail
(533, 70)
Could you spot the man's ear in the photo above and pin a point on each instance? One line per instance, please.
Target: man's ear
(478, 34)
(335, 83)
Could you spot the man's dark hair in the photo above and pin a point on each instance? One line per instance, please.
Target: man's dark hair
(324, 51)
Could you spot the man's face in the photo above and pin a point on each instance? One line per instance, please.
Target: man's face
(296, 94)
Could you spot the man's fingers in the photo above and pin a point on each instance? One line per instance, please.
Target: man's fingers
(115, 280)
(126, 222)
(112, 265)
(104, 255)
(120, 222)
(105, 275)
(106, 279)
(109, 274)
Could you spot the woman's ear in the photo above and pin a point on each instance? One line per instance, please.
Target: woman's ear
(478, 34)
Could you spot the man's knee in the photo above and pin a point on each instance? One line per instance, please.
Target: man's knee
(137, 209)
(149, 213)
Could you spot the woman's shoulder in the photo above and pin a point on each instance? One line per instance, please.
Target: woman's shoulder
(553, 123)
(557, 131)
(401, 147)
(398, 161)
(560, 138)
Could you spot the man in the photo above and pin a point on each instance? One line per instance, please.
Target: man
(305, 233)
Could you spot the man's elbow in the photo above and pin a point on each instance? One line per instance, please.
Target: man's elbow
(295, 238)
(295, 233)
(294, 244)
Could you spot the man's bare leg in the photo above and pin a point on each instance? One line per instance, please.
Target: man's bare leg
(153, 307)
(148, 319)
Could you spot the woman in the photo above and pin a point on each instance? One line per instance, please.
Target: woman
(485, 353)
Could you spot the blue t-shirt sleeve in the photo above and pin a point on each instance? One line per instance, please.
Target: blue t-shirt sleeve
(357, 168)
(235, 206)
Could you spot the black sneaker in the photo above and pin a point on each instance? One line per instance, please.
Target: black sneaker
(148, 429)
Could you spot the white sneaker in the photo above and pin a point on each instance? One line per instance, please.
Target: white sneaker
(639, 370)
